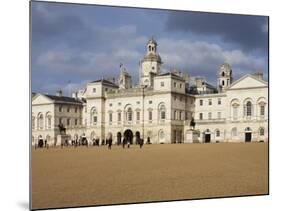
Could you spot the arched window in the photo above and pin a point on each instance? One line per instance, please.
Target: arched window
(261, 132)
(248, 108)
(162, 111)
(40, 121)
(49, 121)
(234, 108)
(94, 116)
(149, 47)
(234, 132)
(129, 114)
(33, 122)
(248, 129)
(222, 74)
(222, 83)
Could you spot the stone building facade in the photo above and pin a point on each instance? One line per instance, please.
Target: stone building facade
(162, 107)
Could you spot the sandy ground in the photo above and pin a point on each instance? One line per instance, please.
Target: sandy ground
(96, 176)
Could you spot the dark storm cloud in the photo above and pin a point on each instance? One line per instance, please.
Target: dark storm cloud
(249, 32)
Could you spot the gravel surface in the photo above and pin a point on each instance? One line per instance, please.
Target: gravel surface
(84, 176)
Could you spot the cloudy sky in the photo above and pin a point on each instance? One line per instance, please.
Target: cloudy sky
(74, 44)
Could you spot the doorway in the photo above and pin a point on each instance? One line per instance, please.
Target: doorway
(128, 135)
(207, 138)
(248, 137)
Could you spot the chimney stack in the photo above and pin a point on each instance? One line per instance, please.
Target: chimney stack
(199, 81)
(59, 93)
(259, 75)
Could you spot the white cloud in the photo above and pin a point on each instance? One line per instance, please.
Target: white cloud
(205, 58)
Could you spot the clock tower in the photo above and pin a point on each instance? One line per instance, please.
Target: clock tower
(151, 63)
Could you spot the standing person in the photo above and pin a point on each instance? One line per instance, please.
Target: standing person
(128, 143)
(141, 143)
(148, 140)
(45, 143)
(123, 143)
(109, 143)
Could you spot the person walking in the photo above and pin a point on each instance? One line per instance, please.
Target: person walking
(109, 143)
(123, 143)
(128, 143)
(141, 143)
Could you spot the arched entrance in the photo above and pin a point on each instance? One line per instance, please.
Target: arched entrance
(40, 141)
(137, 137)
(119, 137)
(248, 134)
(128, 135)
(161, 136)
(207, 136)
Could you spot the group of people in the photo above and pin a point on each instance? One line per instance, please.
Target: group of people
(126, 142)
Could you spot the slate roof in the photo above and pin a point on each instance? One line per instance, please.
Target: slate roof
(64, 99)
(105, 82)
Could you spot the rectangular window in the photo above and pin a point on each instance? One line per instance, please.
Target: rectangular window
(119, 117)
(209, 115)
(210, 101)
(175, 98)
(175, 114)
(110, 105)
(180, 85)
(95, 119)
(129, 116)
(60, 120)
(138, 116)
(110, 117)
(68, 109)
(201, 116)
(75, 110)
(219, 115)
(201, 102)
(150, 102)
(68, 122)
(76, 122)
(60, 108)
(138, 102)
(186, 115)
(175, 84)
(162, 84)
(150, 115)
(94, 90)
(163, 115)
(180, 115)
(106, 89)
(219, 101)
(262, 110)
(119, 103)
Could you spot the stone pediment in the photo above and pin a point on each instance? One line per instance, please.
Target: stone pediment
(248, 81)
(41, 99)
